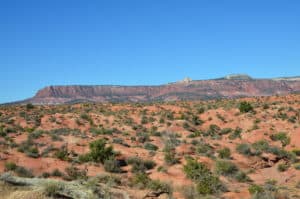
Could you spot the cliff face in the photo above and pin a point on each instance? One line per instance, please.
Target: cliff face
(191, 90)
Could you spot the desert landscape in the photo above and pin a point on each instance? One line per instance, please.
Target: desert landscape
(149, 99)
(230, 148)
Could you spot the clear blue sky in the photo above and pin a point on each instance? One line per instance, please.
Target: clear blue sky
(133, 42)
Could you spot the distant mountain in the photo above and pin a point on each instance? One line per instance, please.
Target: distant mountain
(231, 86)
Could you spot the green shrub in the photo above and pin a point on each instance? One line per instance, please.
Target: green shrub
(203, 148)
(226, 131)
(52, 188)
(170, 157)
(159, 186)
(112, 165)
(235, 134)
(195, 170)
(29, 106)
(62, 154)
(23, 172)
(206, 182)
(244, 149)
(99, 152)
(151, 147)
(140, 180)
(261, 146)
(283, 167)
(245, 107)
(139, 165)
(73, 173)
(224, 153)
(226, 168)
(10, 166)
(213, 130)
(242, 177)
(296, 152)
(282, 137)
(56, 173)
(297, 166)
(255, 189)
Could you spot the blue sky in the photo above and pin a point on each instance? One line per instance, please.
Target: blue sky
(134, 42)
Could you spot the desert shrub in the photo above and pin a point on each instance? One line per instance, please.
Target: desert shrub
(46, 175)
(98, 152)
(151, 147)
(73, 173)
(112, 165)
(170, 149)
(55, 137)
(52, 188)
(159, 186)
(195, 134)
(140, 180)
(260, 146)
(206, 182)
(23, 172)
(282, 137)
(224, 153)
(10, 166)
(226, 131)
(196, 121)
(235, 134)
(297, 166)
(28, 147)
(213, 130)
(245, 107)
(62, 154)
(226, 168)
(139, 165)
(33, 152)
(56, 173)
(101, 131)
(143, 137)
(283, 154)
(244, 149)
(203, 148)
(118, 140)
(242, 177)
(255, 189)
(170, 157)
(35, 134)
(283, 167)
(29, 106)
(296, 152)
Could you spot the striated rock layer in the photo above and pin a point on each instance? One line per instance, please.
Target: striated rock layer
(183, 90)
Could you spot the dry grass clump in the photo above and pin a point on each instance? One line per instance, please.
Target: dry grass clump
(26, 195)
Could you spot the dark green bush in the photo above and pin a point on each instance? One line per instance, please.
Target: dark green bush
(151, 147)
(62, 154)
(282, 137)
(226, 168)
(244, 149)
(224, 153)
(255, 189)
(139, 165)
(112, 165)
(245, 107)
(10, 166)
(283, 167)
(99, 152)
(23, 172)
(206, 182)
